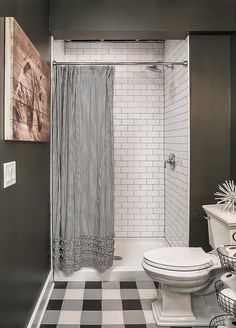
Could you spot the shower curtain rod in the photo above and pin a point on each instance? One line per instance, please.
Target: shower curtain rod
(163, 63)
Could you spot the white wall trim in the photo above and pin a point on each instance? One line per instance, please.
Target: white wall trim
(51, 117)
(189, 135)
(42, 302)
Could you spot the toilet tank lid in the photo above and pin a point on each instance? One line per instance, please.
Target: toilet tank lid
(226, 217)
(178, 257)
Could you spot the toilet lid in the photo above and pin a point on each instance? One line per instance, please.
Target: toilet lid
(179, 258)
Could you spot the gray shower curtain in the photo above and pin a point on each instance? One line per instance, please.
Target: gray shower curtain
(82, 167)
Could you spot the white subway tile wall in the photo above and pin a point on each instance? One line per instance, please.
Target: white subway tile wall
(58, 50)
(138, 132)
(177, 142)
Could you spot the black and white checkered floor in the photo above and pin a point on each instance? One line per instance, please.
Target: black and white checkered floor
(101, 305)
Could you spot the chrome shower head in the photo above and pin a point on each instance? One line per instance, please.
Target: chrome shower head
(154, 68)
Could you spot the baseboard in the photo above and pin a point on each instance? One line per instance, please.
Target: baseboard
(42, 302)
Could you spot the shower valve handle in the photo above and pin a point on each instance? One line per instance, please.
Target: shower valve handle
(171, 161)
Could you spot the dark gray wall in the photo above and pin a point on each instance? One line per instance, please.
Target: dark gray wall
(209, 126)
(143, 19)
(233, 108)
(24, 207)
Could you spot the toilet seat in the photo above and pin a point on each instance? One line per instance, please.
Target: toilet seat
(182, 259)
(177, 278)
(183, 268)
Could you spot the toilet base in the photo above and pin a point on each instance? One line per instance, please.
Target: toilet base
(164, 320)
(173, 308)
(184, 310)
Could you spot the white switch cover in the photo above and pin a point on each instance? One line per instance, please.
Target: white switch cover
(9, 174)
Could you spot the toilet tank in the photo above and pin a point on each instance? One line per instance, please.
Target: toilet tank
(221, 225)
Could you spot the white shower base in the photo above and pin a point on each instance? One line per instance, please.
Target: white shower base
(129, 268)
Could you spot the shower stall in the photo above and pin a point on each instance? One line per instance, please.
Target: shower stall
(151, 147)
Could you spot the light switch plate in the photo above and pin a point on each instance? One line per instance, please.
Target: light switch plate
(9, 174)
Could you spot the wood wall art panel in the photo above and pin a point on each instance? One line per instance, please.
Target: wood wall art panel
(27, 88)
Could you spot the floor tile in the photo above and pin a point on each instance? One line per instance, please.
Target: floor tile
(111, 305)
(146, 304)
(68, 326)
(58, 294)
(148, 293)
(69, 317)
(95, 304)
(145, 285)
(93, 294)
(60, 284)
(72, 305)
(91, 318)
(135, 326)
(51, 317)
(157, 285)
(74, 294)
(111, 294)
(128, 284)
(90, 326)
(93, 285)
(129, 294)
(113, 326)
(54, 305)
(131, 305)
(92, 305)
(149, 317)
(111, 285)
(112, 317)
(134, 317)
(76, 284)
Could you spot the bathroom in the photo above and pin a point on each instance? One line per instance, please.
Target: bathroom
(173, 94)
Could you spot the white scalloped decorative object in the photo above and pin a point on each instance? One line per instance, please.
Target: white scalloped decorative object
(227, 196)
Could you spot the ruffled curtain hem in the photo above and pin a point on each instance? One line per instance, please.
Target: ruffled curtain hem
(86, 251)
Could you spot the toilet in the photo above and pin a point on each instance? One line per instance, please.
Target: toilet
(187, 274)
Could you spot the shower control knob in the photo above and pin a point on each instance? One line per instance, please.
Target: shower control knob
(171, 161)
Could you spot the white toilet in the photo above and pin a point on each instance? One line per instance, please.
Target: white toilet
(186, 274)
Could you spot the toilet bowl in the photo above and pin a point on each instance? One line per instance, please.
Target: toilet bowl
(186, 275)
(181, 271)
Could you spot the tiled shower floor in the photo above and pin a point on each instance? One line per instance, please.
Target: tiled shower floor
(98, 304)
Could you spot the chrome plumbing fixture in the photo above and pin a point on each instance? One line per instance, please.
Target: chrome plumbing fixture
(117, 258)
(154, 68)
(171, 161)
